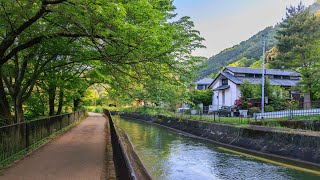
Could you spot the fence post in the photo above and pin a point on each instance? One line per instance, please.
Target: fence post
(290, 112)
(60, 121)
(27, 135)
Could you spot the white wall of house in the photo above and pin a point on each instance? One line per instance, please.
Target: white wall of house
(234, 93)
(216, 94)
(229, 97)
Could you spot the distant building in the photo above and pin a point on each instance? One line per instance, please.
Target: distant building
(226, 86)
(203, 84)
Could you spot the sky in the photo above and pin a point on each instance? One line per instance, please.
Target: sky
(225, 23)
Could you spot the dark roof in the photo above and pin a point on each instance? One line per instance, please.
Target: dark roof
(247, 70)
(231, 77)
(279, 82)
(222, 87)
(205, 81)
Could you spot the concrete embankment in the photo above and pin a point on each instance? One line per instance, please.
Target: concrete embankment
(127, 162)
(291, 147)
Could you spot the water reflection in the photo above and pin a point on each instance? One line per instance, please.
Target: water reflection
(169, 155)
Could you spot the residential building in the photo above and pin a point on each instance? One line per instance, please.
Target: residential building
(203, 84)
(226, 86)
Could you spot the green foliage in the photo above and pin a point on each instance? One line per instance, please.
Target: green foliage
(243, 62)
(276, 95)
(201, 96)
(258, 64)
(254, 110)
(36, 106)
(98, 110)
(150, 110)
(135, 48)
(298, 46)
(247, 90)
(269, 108)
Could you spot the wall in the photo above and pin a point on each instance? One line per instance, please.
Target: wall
(127, 162)
(231, 94)
(292, 147)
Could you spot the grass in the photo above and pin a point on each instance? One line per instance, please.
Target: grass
(226, 120)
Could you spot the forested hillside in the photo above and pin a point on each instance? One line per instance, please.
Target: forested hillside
(248, 53)
(251, 49)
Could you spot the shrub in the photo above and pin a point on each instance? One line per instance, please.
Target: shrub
(268, 108)
(98, 110)
(254, 110)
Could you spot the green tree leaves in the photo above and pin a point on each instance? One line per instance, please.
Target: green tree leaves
(133, 47)
(297, 45)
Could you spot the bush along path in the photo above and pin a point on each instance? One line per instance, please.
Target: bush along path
(77, 154)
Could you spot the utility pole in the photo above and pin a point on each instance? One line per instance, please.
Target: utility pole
(263, 73)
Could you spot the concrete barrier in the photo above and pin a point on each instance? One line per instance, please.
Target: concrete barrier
(290, 147)
(127, 163)
(313, 125)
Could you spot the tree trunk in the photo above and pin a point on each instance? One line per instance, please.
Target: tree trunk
(61, 94)
(76, 103)
(19, 114)
(4, 104)
(52, 97)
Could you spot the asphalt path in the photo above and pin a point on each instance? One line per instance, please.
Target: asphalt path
(77, 154)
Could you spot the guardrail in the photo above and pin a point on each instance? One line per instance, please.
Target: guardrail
(127, 162)
(17, 139)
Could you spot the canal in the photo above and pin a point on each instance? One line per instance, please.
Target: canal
(168, 154)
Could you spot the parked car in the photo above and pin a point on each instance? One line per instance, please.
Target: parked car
(183, 109)
(228, 111)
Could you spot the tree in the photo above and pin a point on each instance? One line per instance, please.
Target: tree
(201, 96)
(132, 42)
(297, 36)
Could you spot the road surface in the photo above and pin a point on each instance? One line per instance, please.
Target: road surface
(81, 153)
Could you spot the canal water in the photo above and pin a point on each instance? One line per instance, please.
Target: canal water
(168, 154)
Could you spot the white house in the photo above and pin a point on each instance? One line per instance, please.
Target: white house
(226, 86)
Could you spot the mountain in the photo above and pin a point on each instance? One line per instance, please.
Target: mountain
(315, 7)
(250, 49)
(247, 53)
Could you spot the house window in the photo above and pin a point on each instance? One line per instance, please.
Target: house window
(249, 75)
(258, 75)
(200, 87)
(285, 77)
(224, 81)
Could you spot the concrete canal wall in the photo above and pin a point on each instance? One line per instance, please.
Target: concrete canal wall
(313, 125)
(291, 147)
(127, 162)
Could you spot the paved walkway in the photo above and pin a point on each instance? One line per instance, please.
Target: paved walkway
(77, 154)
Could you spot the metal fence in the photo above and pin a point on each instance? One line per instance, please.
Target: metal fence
(293, 111)
(214, 116)
(18, 138)
(289, 111)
